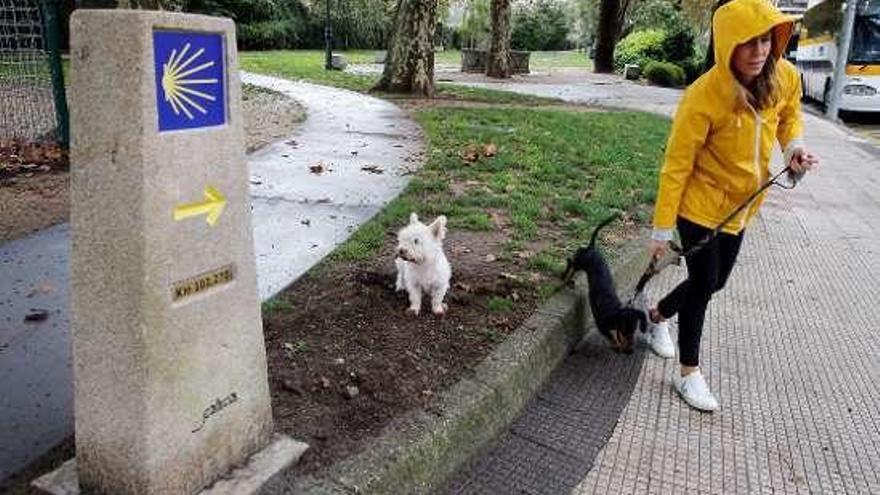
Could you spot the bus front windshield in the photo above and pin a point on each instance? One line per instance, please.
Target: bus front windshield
(866, 36)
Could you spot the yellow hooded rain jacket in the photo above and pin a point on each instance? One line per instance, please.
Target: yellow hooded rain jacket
(719, 149)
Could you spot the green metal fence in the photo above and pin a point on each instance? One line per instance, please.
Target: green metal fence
(32, 101)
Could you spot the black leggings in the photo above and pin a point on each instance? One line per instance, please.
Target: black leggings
(708, 270)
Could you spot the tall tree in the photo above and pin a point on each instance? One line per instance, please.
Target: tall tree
(476, 25)
(709, 61)
(498, 64)
(607, 36)
(409, 64)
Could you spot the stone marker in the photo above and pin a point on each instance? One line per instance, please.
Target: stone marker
(338, 62)
(632, 72)
(170, 372)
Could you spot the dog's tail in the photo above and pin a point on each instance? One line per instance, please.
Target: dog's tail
(600, 227)
(570, 265)
(569, 271)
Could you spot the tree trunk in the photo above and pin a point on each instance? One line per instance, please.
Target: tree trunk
(409, 63)
(498, 64)
(604, 59)
(709, 61)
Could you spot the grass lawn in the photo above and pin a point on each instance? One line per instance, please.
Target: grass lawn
(537, 60)
(554, 176)
(520, 186)
(308, 65)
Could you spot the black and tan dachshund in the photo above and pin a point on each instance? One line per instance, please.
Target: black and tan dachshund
(615, 321)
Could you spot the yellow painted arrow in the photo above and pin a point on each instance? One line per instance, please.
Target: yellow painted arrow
(213, 206)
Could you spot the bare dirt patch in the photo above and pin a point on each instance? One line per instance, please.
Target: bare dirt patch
(345, 358)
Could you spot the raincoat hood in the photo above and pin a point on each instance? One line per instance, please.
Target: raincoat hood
(741, 20)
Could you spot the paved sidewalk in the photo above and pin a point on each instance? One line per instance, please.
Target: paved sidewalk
(367, 148)
(584, 87)
(298, 218)
(790, 348)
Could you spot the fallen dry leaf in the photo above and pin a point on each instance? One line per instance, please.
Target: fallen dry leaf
(470, 154)
(462, 287)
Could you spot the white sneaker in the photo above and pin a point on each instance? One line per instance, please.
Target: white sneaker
(694, 390)
(659, 339)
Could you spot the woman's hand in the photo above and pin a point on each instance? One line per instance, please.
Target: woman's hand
(802, 160)
(657, 248)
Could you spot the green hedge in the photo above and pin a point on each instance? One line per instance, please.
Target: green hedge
(675, 46)
(664, 74)
(640, 48)
(279, 24)
(538, 26)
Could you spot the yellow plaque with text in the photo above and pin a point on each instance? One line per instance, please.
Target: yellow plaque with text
(201, 283)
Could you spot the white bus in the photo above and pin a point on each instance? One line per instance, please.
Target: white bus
(817, 55)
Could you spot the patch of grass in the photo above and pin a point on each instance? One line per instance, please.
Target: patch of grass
(541, 171)
(552, 169)
(514, 245)
(428, 184)
(499, 304)
(537, 178)
(34, 70)
(473, 220)
(370, 237)
(561, 59)
(277, 305)
(548, 262)
(481, 199)
(308, 65)
(537, 60)
(457, 92)
(548, 290)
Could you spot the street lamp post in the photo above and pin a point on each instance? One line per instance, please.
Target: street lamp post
(328, 37)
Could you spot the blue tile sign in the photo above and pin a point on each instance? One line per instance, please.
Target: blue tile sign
(190, 79)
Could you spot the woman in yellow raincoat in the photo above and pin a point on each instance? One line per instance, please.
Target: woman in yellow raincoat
(718, 154)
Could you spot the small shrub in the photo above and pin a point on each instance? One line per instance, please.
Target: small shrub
(678, 44)
(500, 304)
(640, 48)
(664, 74)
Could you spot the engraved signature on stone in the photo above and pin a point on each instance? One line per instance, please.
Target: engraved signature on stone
(217, 406)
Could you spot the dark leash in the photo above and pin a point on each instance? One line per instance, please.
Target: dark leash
(657, 265)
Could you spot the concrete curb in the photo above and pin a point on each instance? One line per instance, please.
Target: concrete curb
(416, 453)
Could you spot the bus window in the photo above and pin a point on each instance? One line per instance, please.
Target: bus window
(866, 36)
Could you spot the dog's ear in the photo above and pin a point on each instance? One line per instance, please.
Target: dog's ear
(438, 228)
(413, 218)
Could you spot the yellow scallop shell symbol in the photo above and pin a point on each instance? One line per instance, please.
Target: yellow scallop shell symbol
(178, 79)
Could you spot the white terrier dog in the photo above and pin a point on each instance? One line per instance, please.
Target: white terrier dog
(421, 264)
